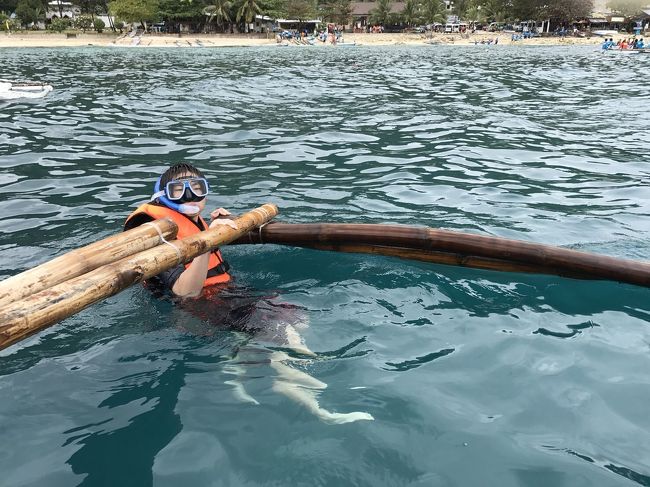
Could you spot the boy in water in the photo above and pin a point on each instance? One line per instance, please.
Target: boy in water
(180, 194)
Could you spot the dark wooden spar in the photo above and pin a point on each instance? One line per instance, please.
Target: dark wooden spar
(451, 247)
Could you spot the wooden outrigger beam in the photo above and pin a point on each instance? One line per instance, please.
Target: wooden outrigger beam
(452, 248)
(33, 313)
(86, 259)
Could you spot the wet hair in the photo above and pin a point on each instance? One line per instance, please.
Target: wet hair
(178, 169)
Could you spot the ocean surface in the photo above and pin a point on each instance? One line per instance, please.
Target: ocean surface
(473, 378)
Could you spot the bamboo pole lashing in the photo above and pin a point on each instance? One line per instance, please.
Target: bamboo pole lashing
(85, 259)
(37, 311)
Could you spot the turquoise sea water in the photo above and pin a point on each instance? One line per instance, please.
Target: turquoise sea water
(474, 378)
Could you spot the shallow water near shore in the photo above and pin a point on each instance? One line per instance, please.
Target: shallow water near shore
(473, 377)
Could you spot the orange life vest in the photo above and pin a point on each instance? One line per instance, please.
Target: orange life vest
(217, 267)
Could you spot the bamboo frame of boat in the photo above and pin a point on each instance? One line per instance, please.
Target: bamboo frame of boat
(85, 259)
(453, 248)
(64, 291)
(33, 313)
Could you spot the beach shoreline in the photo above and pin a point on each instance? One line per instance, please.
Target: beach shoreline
(48, 39)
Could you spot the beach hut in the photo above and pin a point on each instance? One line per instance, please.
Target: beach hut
(264, 23)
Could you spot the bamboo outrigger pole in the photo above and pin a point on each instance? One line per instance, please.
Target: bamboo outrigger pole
(23, 318)
(85, 259)
(455, 248)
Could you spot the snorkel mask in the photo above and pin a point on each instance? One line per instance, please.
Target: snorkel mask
(178, 192)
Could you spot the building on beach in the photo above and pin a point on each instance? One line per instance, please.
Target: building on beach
(603, 18)
(61, 9)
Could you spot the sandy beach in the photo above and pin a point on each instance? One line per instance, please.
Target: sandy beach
(47, 39)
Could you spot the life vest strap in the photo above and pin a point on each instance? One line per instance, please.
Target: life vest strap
(217, 270)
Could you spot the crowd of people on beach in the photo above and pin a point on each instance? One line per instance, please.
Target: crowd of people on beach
(333, 35)
(488, 42)
(631, 43)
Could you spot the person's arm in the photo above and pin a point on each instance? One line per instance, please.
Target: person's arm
(190, 282)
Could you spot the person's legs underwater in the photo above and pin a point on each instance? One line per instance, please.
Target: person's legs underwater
(277, 325)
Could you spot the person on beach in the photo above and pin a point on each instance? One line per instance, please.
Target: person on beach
(180, 194)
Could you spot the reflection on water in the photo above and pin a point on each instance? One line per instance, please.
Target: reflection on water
(472, 377)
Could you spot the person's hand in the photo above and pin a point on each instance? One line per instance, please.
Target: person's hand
(223, 221)
(218, 213)
(219, 218)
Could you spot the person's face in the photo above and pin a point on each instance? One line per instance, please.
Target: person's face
(199, 204)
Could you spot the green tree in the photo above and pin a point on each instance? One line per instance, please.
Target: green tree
(459, 7)
(247, 10)
(58, 24)
(101, 7)
(30, 11)
(273, 8)
(176, 10)
(99, 25)
(336, 11)
(219, 11)
(527, 9)
(83, 22)
(134, 10)
(380, 15)
(344, 11)
(88, 7)
(434, 11)
(475, 13)
(412, 13)
(96, 7)
(8, 6)
(628, 8)
(495, 10)
(300, 10)
(566, 10)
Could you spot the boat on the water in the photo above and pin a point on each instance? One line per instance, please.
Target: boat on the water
(13, 90)
(623, 51)
(605, 33)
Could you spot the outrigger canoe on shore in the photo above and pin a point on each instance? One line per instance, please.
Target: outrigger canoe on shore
(13, 90)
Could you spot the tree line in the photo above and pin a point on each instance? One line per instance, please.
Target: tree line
(204, 15)
(222, 15)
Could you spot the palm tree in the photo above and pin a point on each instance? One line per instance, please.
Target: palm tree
(219, 11)
(247, 12)
(494, 10)
(411, 12)
(434, 12)
(380, 15)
